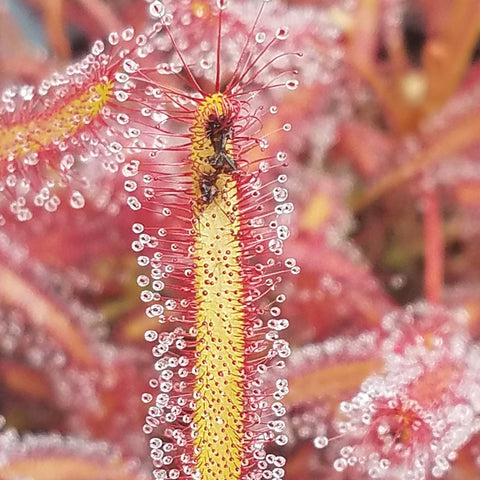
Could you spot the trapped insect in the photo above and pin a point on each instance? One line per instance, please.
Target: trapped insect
(208, 187)
(220, 131)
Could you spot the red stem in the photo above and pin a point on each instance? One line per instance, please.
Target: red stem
(434, 246)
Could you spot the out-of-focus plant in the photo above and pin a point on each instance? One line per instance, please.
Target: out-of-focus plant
(178, 125)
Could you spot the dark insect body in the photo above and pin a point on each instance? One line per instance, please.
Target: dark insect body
(219, 131)
(207, 187)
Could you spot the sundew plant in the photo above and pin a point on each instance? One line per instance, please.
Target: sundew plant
(238, 239)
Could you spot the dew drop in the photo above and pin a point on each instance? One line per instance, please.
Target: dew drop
(168, 19)
(147, 429)
(67, 162)
(275, 311)
(137, 246)
(264, 167)
(290, 262)
(128, 34)
(77, 200)
(260, 37)
(320, 442)
(282, 33)
(384, 463)
(133, 132)
(98, 47)
(146, 296)
(24, 215)
(150, 335)
(121, 77)
(123, 119)
(143, 260)
(340, 464)
(263, 143)
(113, 38)
(130, 66)
(276, 246)
(283, 232)
(291, 84)
(143, 281)
(50, 205)
(222, 4)
(147, 398)
(141, 40)
(157, 9)
(205, 64)
(134, 203)
(280, 194)
(137, 228)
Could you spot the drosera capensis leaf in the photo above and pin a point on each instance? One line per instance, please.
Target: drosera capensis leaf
(221, 217)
